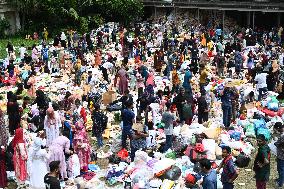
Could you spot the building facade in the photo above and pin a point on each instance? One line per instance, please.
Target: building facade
(249, 13)
(12, 15)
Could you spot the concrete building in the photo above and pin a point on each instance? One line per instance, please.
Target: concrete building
(249, 13)
(12, 15)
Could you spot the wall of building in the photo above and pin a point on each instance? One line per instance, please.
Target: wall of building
(12, 15)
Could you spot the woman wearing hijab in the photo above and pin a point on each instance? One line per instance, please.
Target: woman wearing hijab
(3, 132)
(13, 112)
(81, 143)
(123, 80)
(51, 126)
(38, 169)
(20, 157)
(59, 147)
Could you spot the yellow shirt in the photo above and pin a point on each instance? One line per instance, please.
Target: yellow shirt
(203, 76)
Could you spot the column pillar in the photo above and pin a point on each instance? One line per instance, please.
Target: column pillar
(248, 19)
(253, 15)
(198, 19)
(18, 23)
(278, 19)
(155, 12)
(223, 20)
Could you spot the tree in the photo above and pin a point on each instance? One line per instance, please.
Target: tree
(79, 14)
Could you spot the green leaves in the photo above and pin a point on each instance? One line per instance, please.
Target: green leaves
(85, 13)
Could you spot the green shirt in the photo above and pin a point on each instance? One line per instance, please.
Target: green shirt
(262, 173)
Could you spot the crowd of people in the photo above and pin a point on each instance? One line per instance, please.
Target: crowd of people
(129, 61)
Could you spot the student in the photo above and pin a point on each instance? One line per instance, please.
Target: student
(262, 163)
(168, 119)
(280, 156)
(139, 134)
(51, 179)
(229, 173)
(210, 175)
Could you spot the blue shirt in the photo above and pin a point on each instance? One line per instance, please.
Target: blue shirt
(44, 53)
(228, 171)
(187, 78)
(127, 117)
(210, 180)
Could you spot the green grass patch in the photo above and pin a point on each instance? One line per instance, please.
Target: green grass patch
(17, 42)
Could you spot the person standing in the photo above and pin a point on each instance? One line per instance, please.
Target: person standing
(168, 119)
(203, 108)
(229, 173)
(44, 54)
(280, 156)
(128, 118)
(98, 125)
(38, 159)
(3, 173)
(13, 112)
(186, 83)
(60, 146)
(179, 101)
(123, 80)
(210, 175)
(260, 80)
(262, 163)
(81, 144)
(51, 126)
(51, 179)
(203, 80)
(20, 157)
(226, 99)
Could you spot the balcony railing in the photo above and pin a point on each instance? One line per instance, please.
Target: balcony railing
(261, 5)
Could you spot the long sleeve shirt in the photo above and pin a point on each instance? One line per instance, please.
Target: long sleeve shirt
(280, 147)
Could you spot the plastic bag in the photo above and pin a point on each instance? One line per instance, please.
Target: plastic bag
(242, 160)
(250, 132)
(273, 106)
(123, 154)
(173, 174)
(171, 155)
(236, 136)
(260, 123)
(264, 132)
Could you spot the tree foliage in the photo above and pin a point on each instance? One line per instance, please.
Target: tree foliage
(76, 14)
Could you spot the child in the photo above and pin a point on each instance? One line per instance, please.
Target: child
(151, 139)
(73, 165)
(139, 135)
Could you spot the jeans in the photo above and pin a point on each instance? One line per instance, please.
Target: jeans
(100, 140)
(132, 153)
(227, 185)
(126, 132)
(261, 92)
(169, 142)
(227, 115)
(202, 117)
(280, 169)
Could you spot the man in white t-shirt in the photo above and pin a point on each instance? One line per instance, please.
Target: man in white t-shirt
(22, 50)
(261, 86)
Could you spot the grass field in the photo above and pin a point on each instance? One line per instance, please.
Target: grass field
(17, 42)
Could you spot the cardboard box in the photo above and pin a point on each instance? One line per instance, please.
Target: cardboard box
(109, 97)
